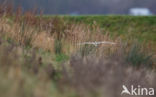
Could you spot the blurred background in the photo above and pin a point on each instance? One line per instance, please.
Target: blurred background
(78, 7)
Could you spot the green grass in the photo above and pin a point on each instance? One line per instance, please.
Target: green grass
(61, 57)
(142, 28)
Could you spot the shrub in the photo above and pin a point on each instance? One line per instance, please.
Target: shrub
(104, 76)
(58, 47)
(138, 58)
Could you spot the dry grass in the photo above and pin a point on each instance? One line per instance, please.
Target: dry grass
(44, 41)
(27, 35)
(23, 73)
(105, 75)
(94, 71)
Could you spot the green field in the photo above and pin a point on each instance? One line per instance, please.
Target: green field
(142, 28)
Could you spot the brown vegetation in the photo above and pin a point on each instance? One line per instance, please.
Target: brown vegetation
(32, 50)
